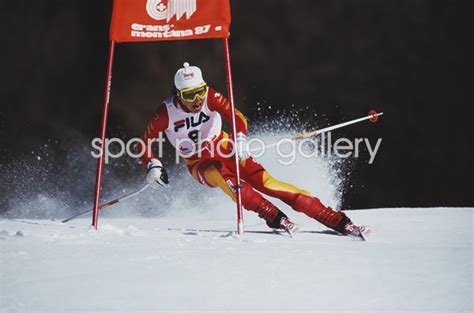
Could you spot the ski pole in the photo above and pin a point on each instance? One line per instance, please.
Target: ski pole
(373, 117)
(107, 204)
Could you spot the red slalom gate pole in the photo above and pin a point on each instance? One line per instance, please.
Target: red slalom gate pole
(230, 91)
(100, 161)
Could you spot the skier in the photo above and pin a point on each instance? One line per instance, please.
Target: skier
(192, 121)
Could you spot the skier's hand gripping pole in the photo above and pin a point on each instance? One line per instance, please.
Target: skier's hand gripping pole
(108, 204)
(157, 175)
(242, 151)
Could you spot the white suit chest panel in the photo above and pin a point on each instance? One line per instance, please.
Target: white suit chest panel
(187, 129)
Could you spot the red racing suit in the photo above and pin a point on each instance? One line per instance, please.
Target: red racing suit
(218, 169)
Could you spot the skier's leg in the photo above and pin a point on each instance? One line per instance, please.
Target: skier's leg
(300, 200)
(215, 174)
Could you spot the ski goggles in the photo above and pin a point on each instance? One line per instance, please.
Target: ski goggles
(191, 94)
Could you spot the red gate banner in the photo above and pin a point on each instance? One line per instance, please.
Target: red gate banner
(158, 20)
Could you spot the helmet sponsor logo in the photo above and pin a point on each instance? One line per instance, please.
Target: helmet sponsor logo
(188, 75)
(166, 9)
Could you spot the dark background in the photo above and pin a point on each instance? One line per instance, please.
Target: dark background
(412, 59)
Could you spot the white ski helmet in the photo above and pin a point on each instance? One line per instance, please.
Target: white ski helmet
(188, 77)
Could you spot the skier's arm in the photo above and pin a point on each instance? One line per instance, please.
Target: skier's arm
(157, 125)
(217, 102)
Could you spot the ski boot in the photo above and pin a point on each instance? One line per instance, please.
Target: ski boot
(275, 218)
(290, 227)
(358, 232)
(281, 221)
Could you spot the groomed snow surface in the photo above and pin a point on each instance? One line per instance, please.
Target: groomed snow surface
(175, 249)
(418, 260)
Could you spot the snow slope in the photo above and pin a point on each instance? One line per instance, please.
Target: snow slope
(419, 260)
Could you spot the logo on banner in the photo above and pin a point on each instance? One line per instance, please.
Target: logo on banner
(166, 9)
